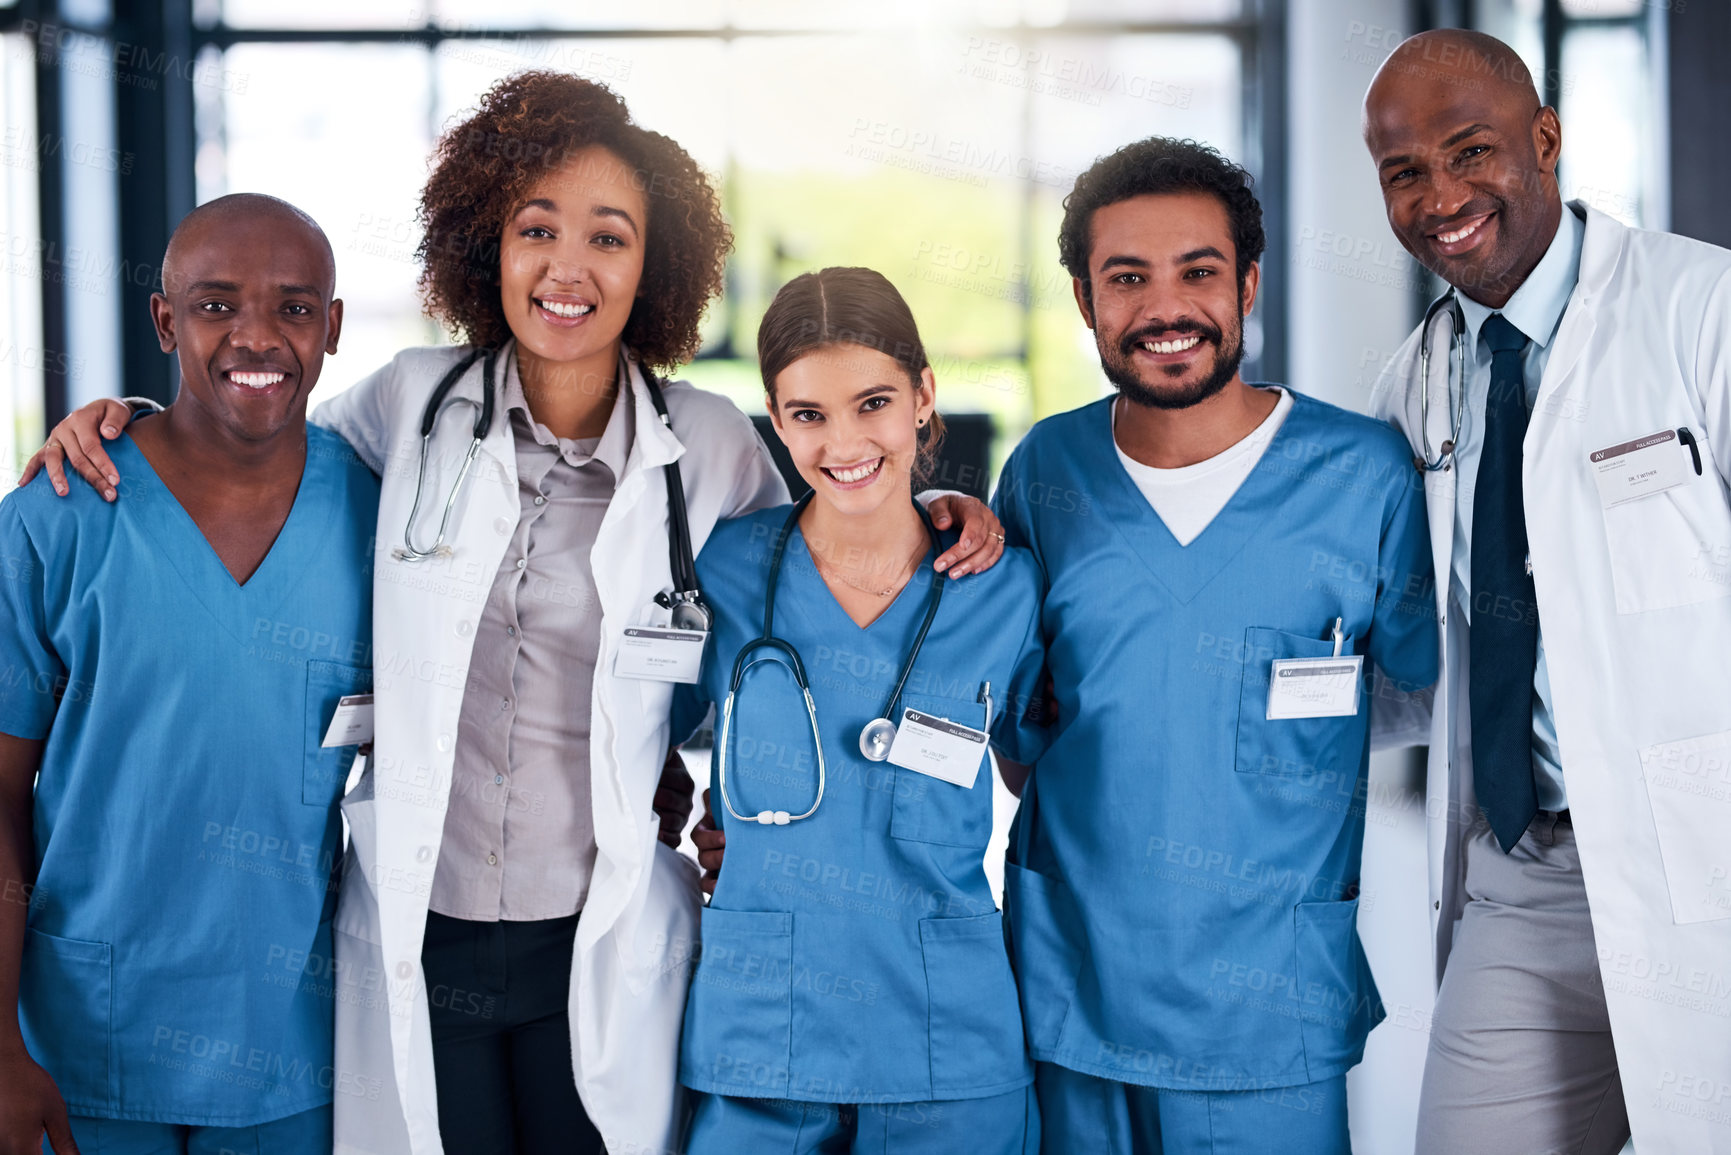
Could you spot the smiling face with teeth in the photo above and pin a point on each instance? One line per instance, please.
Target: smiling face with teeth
(248, 310)
(570, 263)
(1165, 303)
(850, 417)
(1467, 160)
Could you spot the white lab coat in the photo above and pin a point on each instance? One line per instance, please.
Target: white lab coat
(639, 926)
(1635, 605)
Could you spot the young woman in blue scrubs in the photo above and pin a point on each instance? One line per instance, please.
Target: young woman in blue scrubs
(854, 992)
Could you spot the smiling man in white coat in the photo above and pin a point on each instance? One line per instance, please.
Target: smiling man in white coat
(1575, 433)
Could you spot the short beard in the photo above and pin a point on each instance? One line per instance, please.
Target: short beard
(1226, 361)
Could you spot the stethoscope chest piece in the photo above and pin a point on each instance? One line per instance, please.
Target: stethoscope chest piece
(875, 739)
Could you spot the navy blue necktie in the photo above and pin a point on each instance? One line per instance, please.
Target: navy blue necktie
(1504, 634)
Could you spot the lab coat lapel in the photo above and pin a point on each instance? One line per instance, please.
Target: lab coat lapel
(629, 568)
(1601, 249)
(1440, 485)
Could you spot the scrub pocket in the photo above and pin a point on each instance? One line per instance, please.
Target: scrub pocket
(1047, 936)
(931, 810)
(1321, 752)
(1674, 547)
(324, 771)
(974, 1023)
(1338, 1002)
(739, 1012)
(66, 1006)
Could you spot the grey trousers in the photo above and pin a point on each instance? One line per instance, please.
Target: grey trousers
(1520, 1055)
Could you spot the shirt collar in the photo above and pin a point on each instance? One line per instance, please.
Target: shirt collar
(1536, 308)
(614, 444)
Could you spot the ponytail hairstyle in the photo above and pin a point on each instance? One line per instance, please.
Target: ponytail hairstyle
(847, 306)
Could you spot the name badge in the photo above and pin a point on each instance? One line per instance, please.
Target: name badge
(1639, 468)
(352, 723)
(661, 654)
(939, 747)
(1314, 687)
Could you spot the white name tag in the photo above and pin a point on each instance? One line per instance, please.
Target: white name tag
(1639, 468)
(939, 747)
(660, 654)
(1314, 687)
(353, 722)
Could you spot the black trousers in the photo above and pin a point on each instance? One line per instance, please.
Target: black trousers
(501, 1040)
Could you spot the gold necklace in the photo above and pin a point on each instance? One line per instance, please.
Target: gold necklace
(825, 571)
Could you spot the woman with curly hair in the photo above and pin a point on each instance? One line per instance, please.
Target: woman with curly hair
(513, 944)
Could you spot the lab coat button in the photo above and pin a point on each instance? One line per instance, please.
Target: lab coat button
(503, 525)
(463, 628)
(424, 854)
(444, 743)
(404, 970)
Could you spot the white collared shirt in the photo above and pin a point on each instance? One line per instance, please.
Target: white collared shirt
(1536, 309)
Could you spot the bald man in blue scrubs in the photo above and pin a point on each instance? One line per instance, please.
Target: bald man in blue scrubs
(171, 664)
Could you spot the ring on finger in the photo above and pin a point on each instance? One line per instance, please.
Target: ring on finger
(52, 445)
(999, 536)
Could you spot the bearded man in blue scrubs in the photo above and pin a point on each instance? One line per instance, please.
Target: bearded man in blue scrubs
(1224, 565)
(169, 666)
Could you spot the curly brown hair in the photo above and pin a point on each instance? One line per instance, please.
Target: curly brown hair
(526, 126)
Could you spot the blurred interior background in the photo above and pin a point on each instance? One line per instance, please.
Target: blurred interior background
(933, 140)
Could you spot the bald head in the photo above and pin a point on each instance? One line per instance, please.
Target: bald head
(1467, 159)
(240, 218)
(1440, 64)
(249, 309)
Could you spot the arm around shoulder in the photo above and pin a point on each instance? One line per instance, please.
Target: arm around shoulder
(365, 414)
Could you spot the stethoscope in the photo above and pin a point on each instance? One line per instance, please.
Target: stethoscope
(875, 737)
(684, 601)
(1454, 381)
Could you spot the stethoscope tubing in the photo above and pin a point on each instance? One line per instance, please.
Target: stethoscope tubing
(1456, 395)
(686, 601)
(746, 658)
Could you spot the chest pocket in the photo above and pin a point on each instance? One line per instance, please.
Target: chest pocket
(323, 771)
(1321, 752)
(1674, 547)
(931, 810)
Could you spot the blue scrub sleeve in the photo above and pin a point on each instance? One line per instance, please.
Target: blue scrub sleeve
(690, 705)
(1403, 636)
(1019, 733)
(30, 670)
(1008, 507)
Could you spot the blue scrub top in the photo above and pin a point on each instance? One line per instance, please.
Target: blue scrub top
(1182, 894)
(177, 962)
(858, 955)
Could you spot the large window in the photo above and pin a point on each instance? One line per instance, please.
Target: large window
(1596, 61)
(21, 155)
(933, 140)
